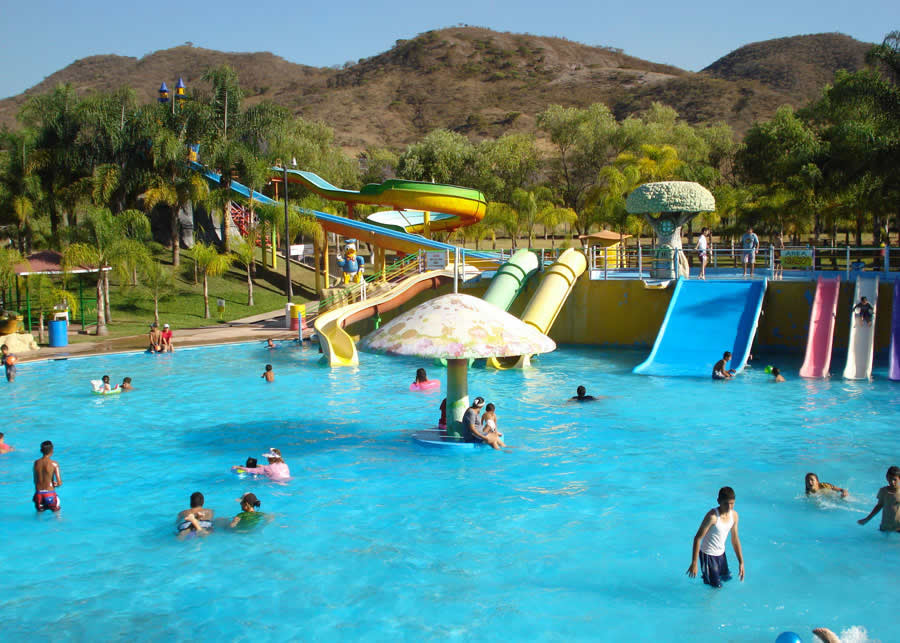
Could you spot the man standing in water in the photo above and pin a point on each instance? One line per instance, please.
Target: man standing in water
(46, 479)
(709, 542)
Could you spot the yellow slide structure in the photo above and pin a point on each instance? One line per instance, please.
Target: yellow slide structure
(338, 346)
(547, 301)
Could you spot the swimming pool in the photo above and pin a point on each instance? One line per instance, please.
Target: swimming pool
(582, 531)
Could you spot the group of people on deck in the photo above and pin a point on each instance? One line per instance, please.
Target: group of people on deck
(160, 340)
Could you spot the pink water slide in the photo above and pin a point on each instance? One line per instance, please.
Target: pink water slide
(821, 329)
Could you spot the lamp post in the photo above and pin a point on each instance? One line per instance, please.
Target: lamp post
(289, 287)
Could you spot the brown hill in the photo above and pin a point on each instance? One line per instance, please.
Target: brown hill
(483, 83)
(800, 65)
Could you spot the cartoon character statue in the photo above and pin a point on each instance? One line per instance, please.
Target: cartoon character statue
(352, 265)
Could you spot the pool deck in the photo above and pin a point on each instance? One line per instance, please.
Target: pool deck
(257, 328)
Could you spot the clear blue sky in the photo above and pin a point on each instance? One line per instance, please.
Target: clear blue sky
(39, 38)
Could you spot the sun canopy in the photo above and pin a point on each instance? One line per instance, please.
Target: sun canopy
(457, 326)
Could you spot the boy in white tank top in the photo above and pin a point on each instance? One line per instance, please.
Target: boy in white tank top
(709, 542)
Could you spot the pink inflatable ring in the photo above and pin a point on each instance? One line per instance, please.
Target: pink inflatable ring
(427, 385)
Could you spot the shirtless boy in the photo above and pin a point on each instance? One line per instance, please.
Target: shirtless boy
(709, 541)
(719, 371)
(46, 479)
(269, 375)
(196, 519)
(155, 339)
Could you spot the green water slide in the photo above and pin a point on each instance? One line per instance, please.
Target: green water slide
(511, 278)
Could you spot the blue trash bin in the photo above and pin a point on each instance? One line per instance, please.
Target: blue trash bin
(59, 333)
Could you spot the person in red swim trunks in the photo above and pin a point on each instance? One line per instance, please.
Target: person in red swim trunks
(46, 479)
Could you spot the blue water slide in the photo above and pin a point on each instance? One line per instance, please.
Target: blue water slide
(243, 190)
(705, 319)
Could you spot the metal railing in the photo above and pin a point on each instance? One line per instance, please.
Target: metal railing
(725, 261)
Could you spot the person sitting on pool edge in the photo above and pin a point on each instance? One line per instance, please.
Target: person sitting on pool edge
(719, 371)
(197, 519)
(472, 426)
(814, 486)
(581, 395)
(155, 339)
(166, 345)
(249, 516)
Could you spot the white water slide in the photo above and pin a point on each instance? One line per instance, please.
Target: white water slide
(862, 335)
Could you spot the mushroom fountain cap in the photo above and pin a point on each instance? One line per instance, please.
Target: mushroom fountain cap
(670, 196)
(457, 326)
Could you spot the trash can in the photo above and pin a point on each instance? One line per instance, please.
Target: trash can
(287, 315)
(295, 316)
(59, 333)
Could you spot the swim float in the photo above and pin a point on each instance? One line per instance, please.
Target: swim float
(427, 385)
(97, 385)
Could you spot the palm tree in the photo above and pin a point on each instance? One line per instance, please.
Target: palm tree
(210, 264)
(244, 254)
(552, 216)
(158, 280)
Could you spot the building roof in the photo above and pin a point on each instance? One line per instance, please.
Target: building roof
(49, 262)
(604, 235)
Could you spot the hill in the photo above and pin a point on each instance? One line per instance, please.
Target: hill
(484, 83)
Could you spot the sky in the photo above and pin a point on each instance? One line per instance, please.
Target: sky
(39, 38)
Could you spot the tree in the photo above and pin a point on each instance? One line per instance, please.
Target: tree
(210, 264)
(244, 254)
(159, 283)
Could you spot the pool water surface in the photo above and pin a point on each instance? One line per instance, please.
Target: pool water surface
(582, 530)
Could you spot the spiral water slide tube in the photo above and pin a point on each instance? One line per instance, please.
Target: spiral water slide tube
(359, 230)
(544, 306)
(894, 372)
(705, 319)
(457, 206)
(817, 361)
(861, 344)
(338, 346)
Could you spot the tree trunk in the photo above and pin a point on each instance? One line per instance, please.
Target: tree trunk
(41, 327)
(226, 225)
(205, 297)
(106, 296)
(176, 242)
(101, 309)
(156, 309)
(249, 288)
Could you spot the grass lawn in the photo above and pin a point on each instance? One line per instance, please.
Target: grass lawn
(132, 307)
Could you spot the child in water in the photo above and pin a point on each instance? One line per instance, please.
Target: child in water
(249, 516)
(269, 376)
(4, 447)
(889, 501)
(814, 486)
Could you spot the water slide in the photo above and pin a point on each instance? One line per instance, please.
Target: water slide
(458, 206)
(861, 344)
(705, 319)
(338, 346)
(359, 230)
(547, 301)
(511, 278)
(413, 221)
(894, 357)
(821, 328)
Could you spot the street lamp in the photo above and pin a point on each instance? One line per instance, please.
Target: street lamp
(289, 288)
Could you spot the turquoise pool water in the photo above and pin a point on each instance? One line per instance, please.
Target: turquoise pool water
(582, 531)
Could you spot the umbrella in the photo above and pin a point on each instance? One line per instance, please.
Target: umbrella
(457, 327)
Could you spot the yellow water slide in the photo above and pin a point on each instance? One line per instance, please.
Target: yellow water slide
(547, 301)
(338, 346)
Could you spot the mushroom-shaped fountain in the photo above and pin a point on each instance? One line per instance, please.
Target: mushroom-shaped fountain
(676, 202)
(456, 327)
